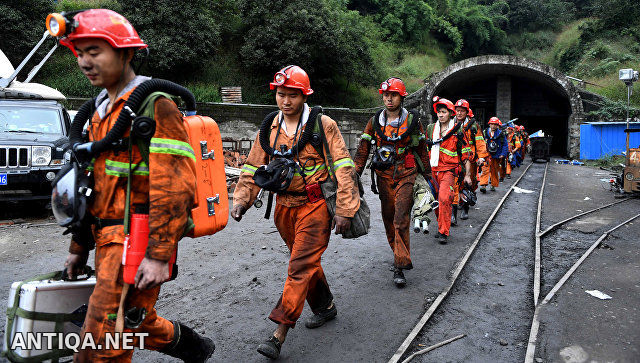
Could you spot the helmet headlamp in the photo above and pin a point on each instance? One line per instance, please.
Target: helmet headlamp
(280, 78)
(56, 24)
(384, 86)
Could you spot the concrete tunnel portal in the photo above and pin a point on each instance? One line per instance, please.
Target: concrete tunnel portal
(540, 96)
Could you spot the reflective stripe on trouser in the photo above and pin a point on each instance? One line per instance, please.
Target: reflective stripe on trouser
(396, 202)
(105, 300)
(305, 230)
(445, 181)
(490, 168)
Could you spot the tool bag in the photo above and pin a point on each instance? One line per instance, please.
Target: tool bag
(210, 212)
(45, 304)
(360, 223)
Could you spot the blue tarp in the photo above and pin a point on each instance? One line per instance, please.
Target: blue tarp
(606, 138)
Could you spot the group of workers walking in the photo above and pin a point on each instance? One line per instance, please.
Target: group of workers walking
(295, 152)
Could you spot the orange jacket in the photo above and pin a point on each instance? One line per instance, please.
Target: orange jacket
(167, 185)
(448, 158)
(476, 142)
(514, 142)
(348, 198)
(415, 142)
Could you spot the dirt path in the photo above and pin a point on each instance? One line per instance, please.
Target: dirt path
(228, 283)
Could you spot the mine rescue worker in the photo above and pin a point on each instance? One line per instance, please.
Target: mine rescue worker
(301, 215)
(497, 147)
(104, 43)
(524, 141)
(450, 157)
(479, 154)
(400, 153)
(514, 145)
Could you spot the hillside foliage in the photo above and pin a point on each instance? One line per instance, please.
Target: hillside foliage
(346, 46)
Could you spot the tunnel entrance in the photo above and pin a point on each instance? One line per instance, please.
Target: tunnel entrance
(541, 97)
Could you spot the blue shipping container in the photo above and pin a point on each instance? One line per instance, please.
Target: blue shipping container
(598, 139)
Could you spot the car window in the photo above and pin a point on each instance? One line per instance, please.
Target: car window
(30, 119)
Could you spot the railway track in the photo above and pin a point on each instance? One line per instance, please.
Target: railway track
(537, 276)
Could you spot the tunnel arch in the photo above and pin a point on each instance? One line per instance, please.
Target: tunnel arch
(540, 96)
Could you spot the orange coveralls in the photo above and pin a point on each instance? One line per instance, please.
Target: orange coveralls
(305, 227)
(514, 145)
(478, 150)
(493, 166)
(167, 187)
(395, 184)
(445, 175)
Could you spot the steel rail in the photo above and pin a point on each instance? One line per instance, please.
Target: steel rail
(537, 263)
(556, 225)
(427, 315)
(535, 324)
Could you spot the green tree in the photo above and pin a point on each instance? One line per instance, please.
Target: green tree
(181, 39)
(533, 15)
(325, 40)
(23, 23)
(401, 20)
(476, 27)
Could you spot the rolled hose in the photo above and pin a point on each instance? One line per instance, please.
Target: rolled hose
(123, 123)
(84, 113)
(378, 129)
(307, 134)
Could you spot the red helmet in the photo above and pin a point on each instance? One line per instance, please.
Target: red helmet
(95, 23)
(495, 121)
(464, 104)
(443, 101)
(393, 84)
(292, 77)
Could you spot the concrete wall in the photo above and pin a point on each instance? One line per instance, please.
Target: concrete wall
(241, 121)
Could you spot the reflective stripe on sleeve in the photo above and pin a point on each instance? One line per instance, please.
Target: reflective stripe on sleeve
(173, 147)
(343, 162)
(366, 137)
(249, 169)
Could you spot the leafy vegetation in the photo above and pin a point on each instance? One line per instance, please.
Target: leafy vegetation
(347, 46)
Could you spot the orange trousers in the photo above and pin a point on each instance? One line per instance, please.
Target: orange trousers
(305, 230)
(446, 187)
(491, 168)
(396, 200)
(104, 301)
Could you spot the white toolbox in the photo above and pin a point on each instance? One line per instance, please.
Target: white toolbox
(63, 300)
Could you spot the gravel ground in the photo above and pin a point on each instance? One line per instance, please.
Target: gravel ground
(228, 283)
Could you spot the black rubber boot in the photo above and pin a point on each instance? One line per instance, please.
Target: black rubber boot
(318, 320)
(270, 348)
(443, 239)
(398, 278)
(454, 216)
(188, 345)
(483, 189)
(465, 212)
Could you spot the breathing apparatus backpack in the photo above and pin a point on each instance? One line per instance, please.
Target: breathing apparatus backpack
(386, 156)
(210, 210)
(277, 175)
